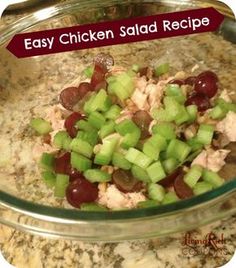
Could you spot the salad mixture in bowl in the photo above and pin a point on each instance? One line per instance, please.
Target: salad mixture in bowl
(135, 137)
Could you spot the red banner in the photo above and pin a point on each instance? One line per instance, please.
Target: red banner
(115, 32)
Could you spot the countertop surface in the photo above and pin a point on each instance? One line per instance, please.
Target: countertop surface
(180, 250)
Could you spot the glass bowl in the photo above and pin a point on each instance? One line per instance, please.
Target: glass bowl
(29, 86)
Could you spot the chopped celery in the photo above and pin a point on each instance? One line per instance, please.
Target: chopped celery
(135, 67)
(85, 126)
(97, 175)
(226, 105)
(205, 134)
(161, 115)
(170, 197)
(156, 172)
(156, 192)
(118, 160)
(218, 112)
(47, 161)
(127, 82)
(104, 156)
(150, 150)
(165, 129)
(107, 129)
(62, 181)
(192, 112)
(96, 119)
(92, 207)
(80, 162)
(183, 116)
(87, 104)
(193, 175)
(90, 137)
(195, 144)
(170, 165)
(98, 102)
(118, 89)
(173, 90)
(213, 178)
(126, 126)
(49, 178)
(131, 139)
(106, 105)
(158, 141)
(138, 158)
(113, 113)
(41, 126)
(148, 204)
(81, 147)
(202, 187)
(178, 150)
(88, 72)
(162, 69)
(62, 140)
(173, 108)
(140, 174)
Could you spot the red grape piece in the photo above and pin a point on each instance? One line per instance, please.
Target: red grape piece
(69, 97)
(70, 123)
(98, 76)
(182, 190)
(62, 163)
(206, 83)
(104, 60)
(81, 191)
(200, 100)
(177, 82)
(169, 179)
(190, 80)
(143, 120)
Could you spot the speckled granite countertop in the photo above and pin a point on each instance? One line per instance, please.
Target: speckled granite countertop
(24, 250)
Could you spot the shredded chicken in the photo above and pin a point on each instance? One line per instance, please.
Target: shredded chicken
(112, 198)
(54, 114)
(210, 159)
(228, 127)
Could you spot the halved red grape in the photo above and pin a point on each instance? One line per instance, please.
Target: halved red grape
(81, 191)
(206, 83)
(177, 82)
(47, 138)
(142, 119)
(98, 75)
(182, 190)
(62, 163)
(170, 179)
(143, 71)
(84, 88)
(104, 60)
(200, 100)
(69, 97)
(101, 85)
(125, 181)
(70, 123)
(190, 80)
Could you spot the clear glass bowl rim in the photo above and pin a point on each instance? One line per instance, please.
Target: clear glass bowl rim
(57, 214)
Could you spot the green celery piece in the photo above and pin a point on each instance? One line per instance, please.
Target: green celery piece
(226, 105)
(156, 172)
(118, 160)
(131, 139)
(49, 178)
(97, 175)
(161, 115)
(202, 187)
(173, 90)
(92, 207)
(118, 89)
(113, 113)
(150, 150)
(106, 105)
(81, 147)
(126, 126)
(178, 150)
(62, 181)
(162, 69)
(98, 101)
(88, 103)
(170, 165)
(104, 156)
(172, 107)
(96, 119)
(61, 139)
(107, 129)
(156, 192)
(140, 174)
(193, 175)
(47, 161)
(158, 141)
(218, 112)
(170, 197)
(41, 126)
(195, 144)
(138, 158)
(205, 134)
(135, 68)
(80, 162)
(212, 177)
(127, 82)
(183, 116)
(148, 204)
(192, 112)
(90, 137)
(85, 126)
(88, 72)
(110, 79)
(165, 129)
